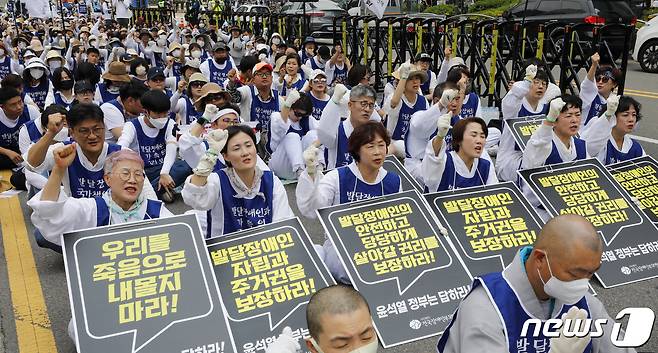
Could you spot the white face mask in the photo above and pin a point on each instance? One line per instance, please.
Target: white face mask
(368, 348)
(159, 123)
(161, 42)
(113, 89)
(62, 135)
(196, 54)
(568, 292)
(140, 70)
(163, 36)
(276, 41)
(245, 38)
(54, 65)
(200, 43)
(175, 53)
(36, 73)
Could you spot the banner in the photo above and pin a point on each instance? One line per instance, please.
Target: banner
(489, 224)
(144, 286)
(586, 188)
(266, 276)
(396, 257)
(392, 164)
(639, 178)
(523, 128)
(378, 7)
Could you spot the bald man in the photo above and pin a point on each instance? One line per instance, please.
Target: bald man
(549, 280)
(338, 320)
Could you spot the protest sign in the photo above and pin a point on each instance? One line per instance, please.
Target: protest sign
(489, 224)
(396, 257)
(266, 276)
(144, 287)
(522, 128)
(586, 188)
(639, 178)
(392, 164)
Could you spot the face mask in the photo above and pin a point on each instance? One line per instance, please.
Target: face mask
(161, 42)
(245, 38)
(113, 89)
(196, 54)
(54, 65)
(175, 53)
(568, 292)
(276, 41)
(220, 61)
(200, 43)
(62, 135)
(36, 73)
(67, 84)
(159, 123)
(140, 70)
(368, 348)
(163, 37)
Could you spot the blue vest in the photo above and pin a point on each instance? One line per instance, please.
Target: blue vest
(318, 106)
(340, 75)
(159, 62)
(82, 9)
(190, 112)
(597, 107)
(177, 70)
(353, 189)
(525, 112)
(262, 111)
(33, 131)
(153, 208)
(513, 316)
(5, 67)
(343, 156)
(60, 101)
(118, 105)
(452, 180)
(405, 116)
(614, 156)
(38, 93)
(9, 135)
(425, 87)
(448, 139)
(151, 149)
(581, 152)
(315, 65)
(216, 75)
(242, 213)
(297, 85)
(471, 107)
(106, 95)
(304, 129)
(84, 182)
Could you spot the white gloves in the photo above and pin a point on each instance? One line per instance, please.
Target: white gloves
(447, 96)
(530, 72)
(405, 69)
(286, 343)
(443, 125)
(613, 103)
(293, 96)
(556, 107)
(311, 159)
(216, 141)
(563, 344)
(339, 92)
(209, 113)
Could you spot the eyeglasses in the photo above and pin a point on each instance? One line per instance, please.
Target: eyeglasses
(265, 74)
(602, 78)
(197, 84)
(365, 105)
(214, 97)
(125, 174)
(300, 114)
(85, 131)
(319, 80)
(540, 83)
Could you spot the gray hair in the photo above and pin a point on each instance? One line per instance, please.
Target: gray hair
(362, 90)
(121, 155)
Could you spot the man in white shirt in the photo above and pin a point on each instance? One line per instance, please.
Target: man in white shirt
(122, 12)
(118, 111)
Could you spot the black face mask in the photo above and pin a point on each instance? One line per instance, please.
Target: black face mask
(220, 61)
(67, 84)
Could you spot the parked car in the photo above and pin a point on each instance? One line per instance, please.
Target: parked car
(320, 13)
(646, 46)
(595, 12)
(259, 9)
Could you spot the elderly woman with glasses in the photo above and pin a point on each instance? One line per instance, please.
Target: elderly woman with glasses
(596, 89)
(317, 92)
(123, 202)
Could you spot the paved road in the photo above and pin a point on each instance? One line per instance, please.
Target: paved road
(34, 305)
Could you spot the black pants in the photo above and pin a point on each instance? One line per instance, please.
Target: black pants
(17, 177)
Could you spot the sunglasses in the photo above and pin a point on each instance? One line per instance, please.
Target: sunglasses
(602, 78)
(214, 97)
(197, 84)
(319, 80)
(300, 114)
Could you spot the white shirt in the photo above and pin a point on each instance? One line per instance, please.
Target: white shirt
(330, 71)
(279, 128)
(205, 66)
(209, 197)
(113, 118)
(421, 127)
(54, 218)
(324, 191)
(129, 139)
(394, 113)
(588, 92)
(122, 9)
(598, 134)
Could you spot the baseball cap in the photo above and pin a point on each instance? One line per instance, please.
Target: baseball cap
(423, 57)
(155, 72)
(219, 46)
(262, 66)
(315, 73)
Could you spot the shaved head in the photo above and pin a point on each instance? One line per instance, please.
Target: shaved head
(562, 234)
(333, 300)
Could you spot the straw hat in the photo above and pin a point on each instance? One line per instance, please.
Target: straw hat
(198, 77)
(415, 72)
(116, 72)
(208, 89)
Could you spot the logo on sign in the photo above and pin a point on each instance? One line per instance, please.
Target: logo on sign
(625, 270)
(637, 331)
(415, 324)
